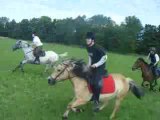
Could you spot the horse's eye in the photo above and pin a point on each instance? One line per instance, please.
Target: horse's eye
(58, 70)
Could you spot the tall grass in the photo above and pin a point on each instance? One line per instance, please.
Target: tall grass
(27, 96)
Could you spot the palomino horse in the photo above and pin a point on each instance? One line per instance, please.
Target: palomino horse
(49, 59)
(147, 74)
(75, 71)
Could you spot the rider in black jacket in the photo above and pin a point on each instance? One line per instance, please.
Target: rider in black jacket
(97, 59)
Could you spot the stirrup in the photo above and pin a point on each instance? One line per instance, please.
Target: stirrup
(36, 62)
(96, 107)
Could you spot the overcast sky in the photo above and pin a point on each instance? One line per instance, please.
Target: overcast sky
(145, 10)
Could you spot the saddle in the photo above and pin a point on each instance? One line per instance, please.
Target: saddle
(108, 85)
(158, 72)
(42, 53)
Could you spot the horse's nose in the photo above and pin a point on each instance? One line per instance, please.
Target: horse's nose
(51, 81)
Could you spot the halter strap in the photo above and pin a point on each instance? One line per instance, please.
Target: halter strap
(63, 71)
(29, 51)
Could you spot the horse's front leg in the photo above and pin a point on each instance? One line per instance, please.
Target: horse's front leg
(46, 69)
(19, 66)
(155, 82)
(22, 64)
(151, 85)
(48, 66)
(142, 84)
(72, 106)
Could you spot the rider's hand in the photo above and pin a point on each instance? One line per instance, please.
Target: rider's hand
(93, 66)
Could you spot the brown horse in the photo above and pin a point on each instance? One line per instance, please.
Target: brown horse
(147, 73)
(75, 71)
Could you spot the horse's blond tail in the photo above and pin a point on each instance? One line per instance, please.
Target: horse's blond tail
(136, 90)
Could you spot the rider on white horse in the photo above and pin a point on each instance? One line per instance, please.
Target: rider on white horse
(37, 45)
(49, 59)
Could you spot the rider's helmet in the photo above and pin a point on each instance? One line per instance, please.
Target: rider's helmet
(152, 49)
(90, 35)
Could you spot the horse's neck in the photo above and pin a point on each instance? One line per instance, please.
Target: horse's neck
(145, 68)
(80, 86)
(27, 50)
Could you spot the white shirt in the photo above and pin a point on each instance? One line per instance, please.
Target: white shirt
(156, 56)
(36, 41)
(100, 62)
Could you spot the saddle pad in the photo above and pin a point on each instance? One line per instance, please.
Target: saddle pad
(108, 85)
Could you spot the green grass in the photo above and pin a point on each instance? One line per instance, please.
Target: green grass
(27, 96)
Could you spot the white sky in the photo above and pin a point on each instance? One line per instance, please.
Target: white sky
(145, 10)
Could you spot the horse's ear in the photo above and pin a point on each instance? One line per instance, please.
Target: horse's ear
(18, 41)
(54, 67)
(73, 65)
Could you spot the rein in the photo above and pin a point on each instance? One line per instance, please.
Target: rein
(28, 46)
(29, 51)
(66, 66)
(62, 71)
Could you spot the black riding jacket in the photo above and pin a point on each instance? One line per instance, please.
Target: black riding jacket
(96, 53)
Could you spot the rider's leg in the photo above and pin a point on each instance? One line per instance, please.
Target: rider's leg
(36, 54)
(97, 87)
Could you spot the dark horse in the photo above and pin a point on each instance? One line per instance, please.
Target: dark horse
(147, 73)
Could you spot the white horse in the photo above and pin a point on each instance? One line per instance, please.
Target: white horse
(49, 59)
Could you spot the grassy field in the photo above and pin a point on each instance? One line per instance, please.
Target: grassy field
(27, 96)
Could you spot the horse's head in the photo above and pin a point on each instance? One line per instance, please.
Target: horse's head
(61, 72)
(69, 69)
(20, 44)
(138, 64)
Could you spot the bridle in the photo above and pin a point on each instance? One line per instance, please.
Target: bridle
(22, 47)
(138, 66)
(66, 66)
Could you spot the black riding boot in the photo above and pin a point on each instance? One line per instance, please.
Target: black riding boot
(37, 61)
(96, 99)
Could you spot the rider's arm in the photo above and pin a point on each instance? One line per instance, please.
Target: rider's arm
(148, 56)
(157, 58)
(35, 41)
(89, 61)
(33, 45)
(101, 61)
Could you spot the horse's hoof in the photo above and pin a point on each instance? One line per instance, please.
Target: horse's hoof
(13, 70)
(111, 117)
(79, 110)
(64, 118)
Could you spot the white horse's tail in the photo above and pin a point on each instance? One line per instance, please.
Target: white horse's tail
(136, 90)
(63, 55)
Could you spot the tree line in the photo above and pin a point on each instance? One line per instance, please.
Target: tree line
(128, 37)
